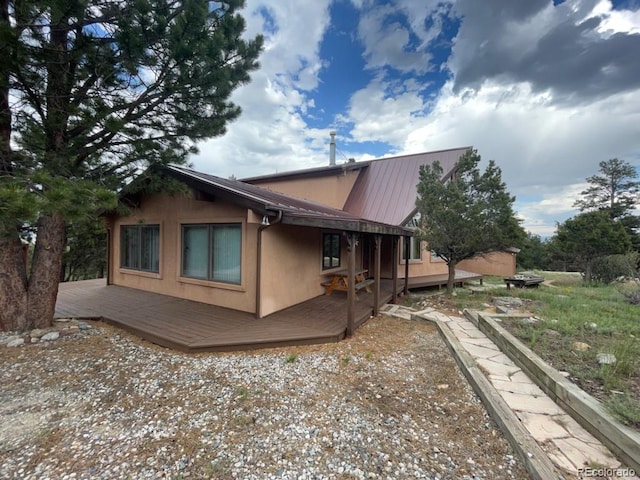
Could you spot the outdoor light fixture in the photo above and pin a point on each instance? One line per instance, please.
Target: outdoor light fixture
(265, 220)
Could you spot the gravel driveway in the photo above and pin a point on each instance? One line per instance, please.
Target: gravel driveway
(388, 403)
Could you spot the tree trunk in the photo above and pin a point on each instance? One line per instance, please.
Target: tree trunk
(13, 286)
(45, 271)
(587, 271)
(452, 276)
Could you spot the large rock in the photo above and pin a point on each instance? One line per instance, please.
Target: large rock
(47, 337)
(37, 333)
(606, 358)
(508, 302)
(16, 342)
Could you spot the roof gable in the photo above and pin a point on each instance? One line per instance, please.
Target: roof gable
(386, 191)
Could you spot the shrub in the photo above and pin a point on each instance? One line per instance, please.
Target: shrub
(608, 269)
(631, 292)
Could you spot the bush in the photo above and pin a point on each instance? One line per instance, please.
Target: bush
(612, 267)
(631, 292)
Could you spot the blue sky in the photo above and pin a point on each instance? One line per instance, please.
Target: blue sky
(547, 89)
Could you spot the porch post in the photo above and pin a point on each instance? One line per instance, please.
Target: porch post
(109, 256)
(394, 269)
(376, 276)
(351, 290)
(407, 250)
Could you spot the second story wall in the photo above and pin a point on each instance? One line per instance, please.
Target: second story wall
(331, 190)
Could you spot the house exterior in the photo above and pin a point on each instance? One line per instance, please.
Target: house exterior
(266, 243)
(385, 191)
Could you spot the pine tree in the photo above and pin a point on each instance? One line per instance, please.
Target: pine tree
(92, 92)
(468, 215)
(615, 191)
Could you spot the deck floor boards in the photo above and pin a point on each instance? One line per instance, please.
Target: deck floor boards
(193, 326)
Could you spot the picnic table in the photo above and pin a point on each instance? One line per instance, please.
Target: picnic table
(522, 281)
(340, 281)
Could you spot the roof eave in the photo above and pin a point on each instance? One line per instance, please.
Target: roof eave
(355, 225)
(218, 192)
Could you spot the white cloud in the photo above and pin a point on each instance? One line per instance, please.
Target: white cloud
(616, 20)
(383, 112)
(271, 134)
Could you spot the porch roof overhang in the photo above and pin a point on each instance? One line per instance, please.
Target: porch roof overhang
(294, 211)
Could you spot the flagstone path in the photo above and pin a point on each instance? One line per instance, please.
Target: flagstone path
(567, 444)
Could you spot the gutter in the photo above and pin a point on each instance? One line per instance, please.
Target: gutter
(261, 228)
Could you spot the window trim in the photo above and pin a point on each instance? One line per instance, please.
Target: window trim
(412, 246)
(323, 257)
(209, 280)
(138, 228)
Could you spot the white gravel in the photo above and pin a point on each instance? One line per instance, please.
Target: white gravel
(389, 403)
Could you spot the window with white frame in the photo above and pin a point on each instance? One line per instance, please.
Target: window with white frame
(415, 247)
(212, 251)
(140, 247)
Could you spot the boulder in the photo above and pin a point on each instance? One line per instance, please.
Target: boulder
(16, 342)
(606, 358)
(37, 333)
(50, 336)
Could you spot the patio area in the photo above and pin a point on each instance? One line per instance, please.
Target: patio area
(198, 327)
(191, 326)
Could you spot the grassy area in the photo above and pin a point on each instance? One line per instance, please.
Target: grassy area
(570, 312)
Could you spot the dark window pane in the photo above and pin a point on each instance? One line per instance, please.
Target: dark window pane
(330, 250)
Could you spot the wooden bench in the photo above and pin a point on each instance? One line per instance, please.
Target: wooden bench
(364, 284)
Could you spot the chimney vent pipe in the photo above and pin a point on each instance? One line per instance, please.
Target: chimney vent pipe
(332, 148)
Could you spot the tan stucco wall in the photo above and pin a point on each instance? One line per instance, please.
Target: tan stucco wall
(170, 212)
(423, 267)
(331, 190)
(497, 263)
(292, 266)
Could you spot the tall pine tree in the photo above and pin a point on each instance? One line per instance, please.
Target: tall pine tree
(615, 191)
(92, 91)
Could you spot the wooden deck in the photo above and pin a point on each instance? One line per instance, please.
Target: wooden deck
(196, 327)
(462, 276)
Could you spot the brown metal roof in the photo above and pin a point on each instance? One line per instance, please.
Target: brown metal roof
(386, 191)
(295, 211)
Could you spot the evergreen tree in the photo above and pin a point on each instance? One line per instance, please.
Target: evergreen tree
(85, 255)
(468, 215)
(615, 191)
(589, 236)
(92, 92)
(534, 254)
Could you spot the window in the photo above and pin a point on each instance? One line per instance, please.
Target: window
(212, 252)
(415, 246)
(330, 250)
(140, 247)
(435, 257)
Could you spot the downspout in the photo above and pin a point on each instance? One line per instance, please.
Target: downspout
(261, 228)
